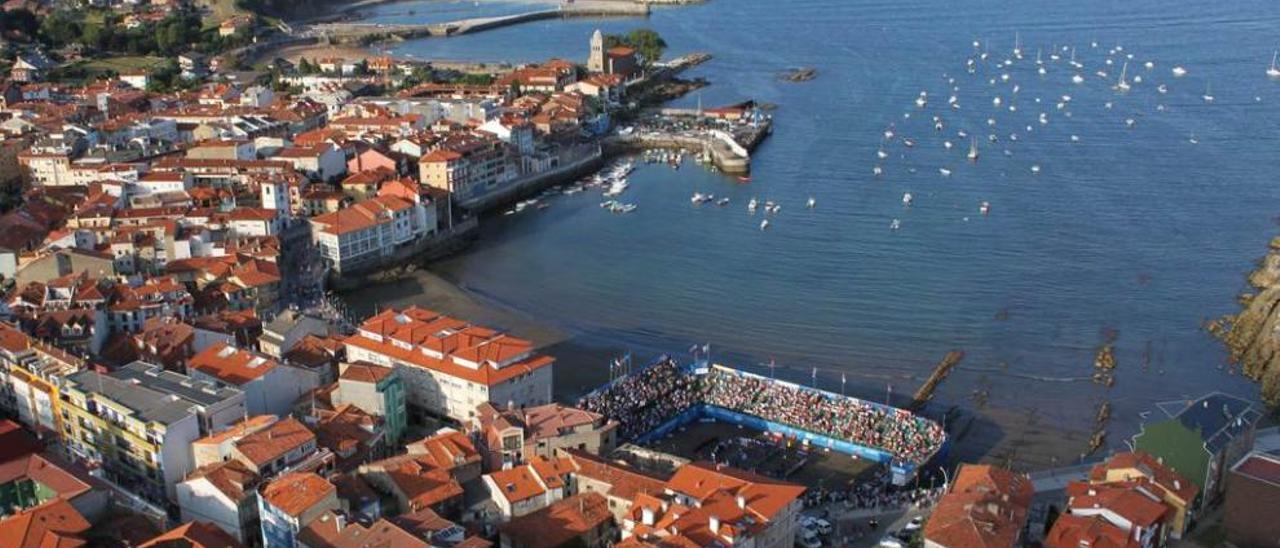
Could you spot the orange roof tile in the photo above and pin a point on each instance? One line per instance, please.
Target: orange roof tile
(230, 364)
(295, 493)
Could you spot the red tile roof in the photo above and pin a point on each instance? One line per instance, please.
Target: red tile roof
(54, 524)
(230, 364)
(517, 484)
(560, 523)
(1072, 531)
(454, 339)
(295, 493)
(275, 441)
(195, 534)
(985, 508)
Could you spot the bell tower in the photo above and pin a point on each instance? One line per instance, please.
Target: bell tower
(595, 62)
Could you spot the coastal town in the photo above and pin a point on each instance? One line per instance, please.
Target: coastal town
(183, 210)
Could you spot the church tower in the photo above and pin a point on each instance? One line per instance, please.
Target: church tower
(595, 62)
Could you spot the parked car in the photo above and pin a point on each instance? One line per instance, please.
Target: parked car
(890, 542)
(806, 538)
(915, 524)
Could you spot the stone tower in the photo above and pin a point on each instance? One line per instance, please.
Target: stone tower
(595, 62)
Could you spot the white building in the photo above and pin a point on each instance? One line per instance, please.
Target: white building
(450, 366)
(370, 231)
(224, 494)
(270, 387)
(321, 162)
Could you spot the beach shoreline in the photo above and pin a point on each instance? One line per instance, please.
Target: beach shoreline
(997, 435)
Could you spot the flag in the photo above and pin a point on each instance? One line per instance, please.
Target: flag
(843, 379)
(693, 349)
(706, 348)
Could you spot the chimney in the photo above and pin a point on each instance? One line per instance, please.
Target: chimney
(742, 502)
(646, 516)
(714, 523)
(1177, 485)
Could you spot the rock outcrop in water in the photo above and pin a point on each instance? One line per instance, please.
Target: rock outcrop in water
(1253, 335)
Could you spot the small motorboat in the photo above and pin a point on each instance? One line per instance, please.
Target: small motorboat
(896, 224)
(764, 224)
(722, 202)
(984, 208)
(744, 179)
(878, 171)
(944, 172)
(752, 205)
(907, 199)
(812, 203)
(1179, 72)
(1273, 71)
(1035, 168)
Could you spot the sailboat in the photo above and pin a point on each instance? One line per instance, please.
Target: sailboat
(1017, 45)
(1273, 71)
(1123, 84)
(1208, 93)
(973, 150)
(812, 203)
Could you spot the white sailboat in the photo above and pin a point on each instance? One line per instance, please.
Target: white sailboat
(812, 203)
(1179, 72)
(984, 208)
(1273, 71)
(1077, 79)
(973, 150)
(906, 199)
(1123, 84)
(1208, 93)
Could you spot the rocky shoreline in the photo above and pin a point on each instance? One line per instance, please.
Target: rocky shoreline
(1251, 336)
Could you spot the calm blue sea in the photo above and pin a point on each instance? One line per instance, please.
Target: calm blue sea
(1133, 230)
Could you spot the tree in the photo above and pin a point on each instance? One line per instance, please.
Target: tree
(647, 43)
(19, 20)
(60, 28)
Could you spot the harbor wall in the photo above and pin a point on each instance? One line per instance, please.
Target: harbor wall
(526, 185)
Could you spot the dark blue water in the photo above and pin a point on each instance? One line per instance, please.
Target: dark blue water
(1134, 230)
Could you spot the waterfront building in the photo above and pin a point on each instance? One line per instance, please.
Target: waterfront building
(1252, 497)
(1140, 470)
(1201, 439)
(468, 165)
(985, 507)
(290, 503)
(510, 435)
(581, 520)
(225, 495)
(371, 231)
(450, 366)
(138, 423)
(269, 387)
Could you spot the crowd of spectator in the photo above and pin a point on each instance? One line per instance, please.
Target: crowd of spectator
(899, 432)
(645, 399)
(648, 398)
